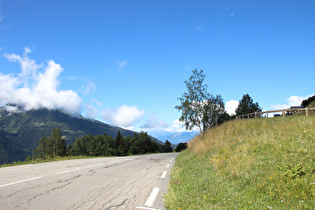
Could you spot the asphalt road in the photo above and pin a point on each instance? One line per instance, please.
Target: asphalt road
(133, 182)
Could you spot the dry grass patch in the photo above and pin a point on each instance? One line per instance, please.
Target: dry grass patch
(253, 164)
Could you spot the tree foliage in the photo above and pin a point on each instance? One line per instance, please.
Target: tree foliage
(308, 101)
(167, 146)
(180, 147)
(50, 147)
(100, 145)
(247, 106)
(198, 107)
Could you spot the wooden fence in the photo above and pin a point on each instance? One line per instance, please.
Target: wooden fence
(284, 113)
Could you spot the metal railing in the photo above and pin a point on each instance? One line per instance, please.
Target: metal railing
(284, 113)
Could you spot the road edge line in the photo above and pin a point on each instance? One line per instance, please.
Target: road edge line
(152, 197)
(25, 180)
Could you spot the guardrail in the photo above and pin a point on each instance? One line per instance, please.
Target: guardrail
(284, 113)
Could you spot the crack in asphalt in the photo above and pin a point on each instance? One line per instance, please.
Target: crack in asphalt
(111, 165)
(16, 192)
(91, 199)
(122, 187)
(69, 181)
(117, 205)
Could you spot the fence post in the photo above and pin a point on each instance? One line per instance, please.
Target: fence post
(283, 113)
(267, 113)
(255, 114)
(306, 112)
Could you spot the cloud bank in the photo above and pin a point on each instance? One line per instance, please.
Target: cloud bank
(91, 112)
(291, 101)
(153, 123)
(36, 86)
(124, 115)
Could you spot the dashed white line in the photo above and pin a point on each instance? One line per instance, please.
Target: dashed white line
(168, 165)
(147, 208)
(25, 180)
(164, 174)
(152, 197)
(62, 172)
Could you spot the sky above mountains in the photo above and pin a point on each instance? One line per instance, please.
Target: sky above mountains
(125, 62)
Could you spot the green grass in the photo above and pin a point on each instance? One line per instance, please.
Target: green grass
(248, 164)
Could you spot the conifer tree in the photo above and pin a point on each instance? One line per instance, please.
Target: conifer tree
(120, 144)
(247, 106)
(167, 146)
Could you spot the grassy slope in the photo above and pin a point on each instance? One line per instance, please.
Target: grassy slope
(248, 164)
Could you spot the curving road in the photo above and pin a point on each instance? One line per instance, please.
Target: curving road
(133, 182)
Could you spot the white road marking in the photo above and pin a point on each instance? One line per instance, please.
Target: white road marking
(171, 161)
(63, 172)
(25, 180)
(168, 165)
(147, 208)
(164, 174)
(127, 158)
(152, 197)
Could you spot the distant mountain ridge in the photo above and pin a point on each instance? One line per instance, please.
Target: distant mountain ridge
(23, 129)
(176, 138)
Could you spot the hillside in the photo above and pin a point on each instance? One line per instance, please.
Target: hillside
(266, 163)
(25, 128)
(9, 151)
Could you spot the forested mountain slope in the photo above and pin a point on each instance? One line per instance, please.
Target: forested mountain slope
(25, 128)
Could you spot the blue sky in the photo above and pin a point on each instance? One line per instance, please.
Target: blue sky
(125, 62)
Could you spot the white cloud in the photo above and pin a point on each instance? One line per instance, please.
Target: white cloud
(175, 127)
(199, 28)
(91, 111)
(153, 123)
(33, 89)
(279, 106)
(295, 100)
(123, 116)
(178, 126)
(90, 86)
(27, 50)
(121, 63)
(291, 101)
(231, 106)
(13, 109)
(28, 66)
(97, 102)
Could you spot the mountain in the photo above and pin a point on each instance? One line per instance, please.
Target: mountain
(176, 138)
(9, 151)
(23, 129)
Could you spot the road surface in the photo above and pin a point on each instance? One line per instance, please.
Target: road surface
(133, 182)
